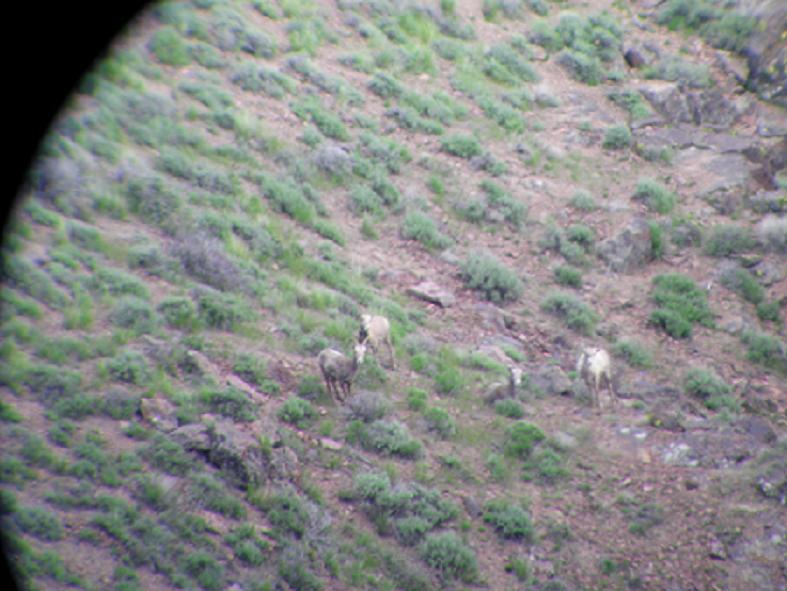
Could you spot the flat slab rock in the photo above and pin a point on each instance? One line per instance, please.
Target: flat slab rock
(433, 293)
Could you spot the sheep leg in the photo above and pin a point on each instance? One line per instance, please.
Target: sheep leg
(391, 351)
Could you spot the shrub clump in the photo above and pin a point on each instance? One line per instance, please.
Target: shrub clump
(133, 313)
(680, 305)
(450, 557)
(655, 196)
(521, 438)
(296, 411)
(464, 146)
(767, 350)
(704, 384)
(419, 226)
(727, 239)
(409, 509)
(204, 258)
(390, 437)
(575, 313)
(484, 273)
(617, 137)
(510, 521)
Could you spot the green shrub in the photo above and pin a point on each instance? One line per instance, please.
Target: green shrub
(680, 304)
(448, 381)
(419, 226)
(520, 438)
(581, 66)
(545, 464)
(632, 101)
(464, 146)
(167, 455)
(416, 399)
(133, 313)
(223, 311)
(724, 240)
(329, 124)
(704, 384)
(51, 383)
(178, 312)
(230, 402)
(169, 47)
(655, 196)
(8, 413)
(769, 311)
(129, 366)
(213, 496)
(509, 408)
(767, 350)
(26, 277)
(512, 210)
(617, 137)
(390, 437)
(675, 68)
(296, 411)
(510, 521)
(385, 86)
(569, 276)
(483, 272)
(438, 420)
(576, 314)
(450, 557)
(634, 353)
(39, 523)
(205, 569)
(84, 236)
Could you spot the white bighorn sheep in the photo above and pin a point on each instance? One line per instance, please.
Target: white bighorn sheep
(499, 390)
(338, 370)
(376, 330)
(593, 365)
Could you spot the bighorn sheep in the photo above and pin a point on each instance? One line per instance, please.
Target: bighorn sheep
(339, 369)
(499, 390)
(376, 330)
(593, 365)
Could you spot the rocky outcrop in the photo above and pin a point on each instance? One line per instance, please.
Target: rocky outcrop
(629, 249)
(766, 50)
(551, 380)
(433, 293)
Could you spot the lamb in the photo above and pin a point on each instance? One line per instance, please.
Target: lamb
(376, 330)
(499, 390)
(593, 365)
(339, 369)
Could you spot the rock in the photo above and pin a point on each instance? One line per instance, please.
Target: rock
(431, 292)
(771, 129)
(731, 176)
(237, 453)
(758, 428)
(667, 420)
(193, 437)
(159, 412)
(201, 363)
(331, 444)
(490, 315)
(551, 379)
(679, 454)
(565, 440)
(768, 202)
(716, 549)
(732, 65)
(724, 142)
(709, 108)
(648, 391)
(768, 273)
(629, 249)
(284, 465)
(766, 52)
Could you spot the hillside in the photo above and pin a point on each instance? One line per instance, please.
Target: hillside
(507, 182)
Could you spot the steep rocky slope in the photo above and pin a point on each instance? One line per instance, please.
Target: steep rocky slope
(507, 182)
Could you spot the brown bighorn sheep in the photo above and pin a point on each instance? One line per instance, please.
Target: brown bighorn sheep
(338, 370)
(593, 365)
(499, 390)
(376, 330)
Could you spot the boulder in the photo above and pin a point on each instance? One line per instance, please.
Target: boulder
(159, 412)
(635, 57)
(766, 51)
(629, 249)
(768, 202)
(194, 437)
(551, 379)
(433, 293)
(237, 453)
